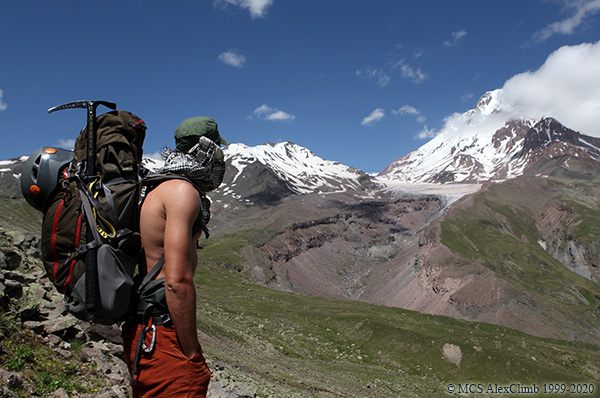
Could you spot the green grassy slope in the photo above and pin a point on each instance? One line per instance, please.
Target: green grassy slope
(292, 345)
(17, 215)
(498, 227)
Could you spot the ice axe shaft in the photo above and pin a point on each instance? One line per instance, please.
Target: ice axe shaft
(91, 264)
(91, 127)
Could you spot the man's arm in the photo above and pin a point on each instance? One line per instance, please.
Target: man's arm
(182, 204)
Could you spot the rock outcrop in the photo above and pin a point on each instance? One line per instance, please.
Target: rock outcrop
(28, 297)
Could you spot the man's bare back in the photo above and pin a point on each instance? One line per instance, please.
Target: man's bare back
(166, 221)
(161, 339)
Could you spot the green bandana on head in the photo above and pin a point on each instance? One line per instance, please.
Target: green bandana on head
(190, 130)
(203, 164)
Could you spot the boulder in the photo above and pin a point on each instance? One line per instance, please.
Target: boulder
(28, 306)
(60, 323)
(60, 393)
(9, 259)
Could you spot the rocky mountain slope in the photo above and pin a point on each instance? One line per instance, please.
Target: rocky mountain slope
(502, 255)
(521, 253)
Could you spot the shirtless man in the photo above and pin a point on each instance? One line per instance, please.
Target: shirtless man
(173, 366)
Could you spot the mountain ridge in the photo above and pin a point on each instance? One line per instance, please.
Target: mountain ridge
(488, 143)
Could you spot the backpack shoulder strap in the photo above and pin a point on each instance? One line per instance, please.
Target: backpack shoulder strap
(153, 272)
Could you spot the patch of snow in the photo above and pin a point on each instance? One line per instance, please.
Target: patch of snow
(542, 244)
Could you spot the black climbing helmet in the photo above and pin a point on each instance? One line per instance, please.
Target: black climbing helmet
(41, 173)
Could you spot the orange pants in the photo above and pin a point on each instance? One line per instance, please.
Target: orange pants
(165, 372)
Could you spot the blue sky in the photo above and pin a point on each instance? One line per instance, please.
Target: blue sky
(359, 82)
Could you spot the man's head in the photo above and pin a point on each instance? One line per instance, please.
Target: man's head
(198, 155)
(188, 133)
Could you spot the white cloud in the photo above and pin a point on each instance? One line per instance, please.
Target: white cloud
(382, 78)
(66, 143)
(232, 58)
(265, 112)
(410, 110)
(375, 116)
(280, 115)
(579, 11)
(257, 8)
(393, 66)
(3, 105)
(408, 72)
(456, 36)
(426, 133)
(406, 110)
(566, 87)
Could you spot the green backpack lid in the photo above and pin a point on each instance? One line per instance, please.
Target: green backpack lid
(190, 130)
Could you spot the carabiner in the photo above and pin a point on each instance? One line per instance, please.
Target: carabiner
(146, 349)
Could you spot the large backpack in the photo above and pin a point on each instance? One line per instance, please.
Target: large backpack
(90, 227)
(94, 266)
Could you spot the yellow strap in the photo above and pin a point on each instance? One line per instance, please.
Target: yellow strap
(98, 217)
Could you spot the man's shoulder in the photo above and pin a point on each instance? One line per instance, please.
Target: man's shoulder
(175, 190)
(175, 183)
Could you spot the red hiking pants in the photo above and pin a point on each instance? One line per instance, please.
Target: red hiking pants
(165, 372)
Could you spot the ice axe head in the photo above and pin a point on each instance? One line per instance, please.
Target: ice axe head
(89, 105)
(91, 126)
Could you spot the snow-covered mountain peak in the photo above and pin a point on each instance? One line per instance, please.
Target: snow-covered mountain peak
(490, 102)
(488, 143)
(298, 167)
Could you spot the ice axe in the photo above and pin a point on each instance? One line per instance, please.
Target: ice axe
(91, 127)
(91, 265)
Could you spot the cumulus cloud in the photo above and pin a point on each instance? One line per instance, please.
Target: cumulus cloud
(427, 133)
(456, 36)
(579, 12)
(406, 110)
(382, 78)
(566, 87)
(257, 8)
(375, 116)
(409, 110)
(232, 58)
(265, 112)
(3, 105)
(409, 72)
